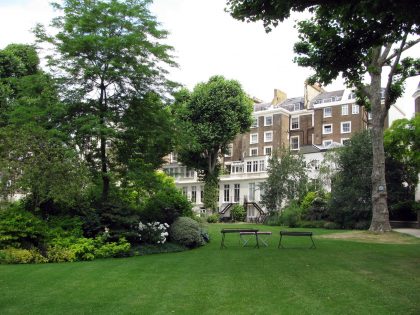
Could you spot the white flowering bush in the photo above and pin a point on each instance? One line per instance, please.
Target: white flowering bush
(153, 232)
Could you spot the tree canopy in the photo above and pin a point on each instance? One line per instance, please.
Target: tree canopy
(209, 119)
(108, 56)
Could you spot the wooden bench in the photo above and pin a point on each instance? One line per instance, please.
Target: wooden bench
(227, 230)
(293, 233)
(259, 234)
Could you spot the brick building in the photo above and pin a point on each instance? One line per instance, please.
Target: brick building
(309, 124)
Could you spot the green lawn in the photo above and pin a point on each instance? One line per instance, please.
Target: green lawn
(339, 277)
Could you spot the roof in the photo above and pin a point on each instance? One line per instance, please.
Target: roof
(290, 103)
(305, 149)
(327, 97)
(261, 106)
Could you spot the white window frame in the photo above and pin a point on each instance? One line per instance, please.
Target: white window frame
(326, 115)
(251, 136)
(265, 120)
(298, 143)
(265, 136)
(342, 124)
(327, 142)
(255, 122)
(236, 192)
(250, 151)
(343, 140)
(344, 110)
(291, 123)
(355, 109)
(369, 116)
(323, 129)
(271, 150)
(226, 193)
(194, 194)
(230, 150)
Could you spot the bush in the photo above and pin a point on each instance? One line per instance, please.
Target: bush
(153, 232)
(84, 249)
(166, 206)
(273, 219)
(20, 228)
(59, 254)
(331, 226)
(291, 215)
(312, 224)
(213, 218)
(21, 256)
(114, 249)
(187, 232)
(238, 213)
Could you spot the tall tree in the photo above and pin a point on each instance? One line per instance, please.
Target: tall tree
(287, 180)
(35, 156)
(107, 53)
(353, 38)
(209, 119)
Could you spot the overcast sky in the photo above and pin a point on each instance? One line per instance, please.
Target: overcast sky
(207, 41)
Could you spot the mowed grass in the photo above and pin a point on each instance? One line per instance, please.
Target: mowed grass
(339, 277)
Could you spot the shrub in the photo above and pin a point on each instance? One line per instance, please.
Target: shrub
(312, 224)
(84, 249)
(187, 232)
(273, 219)
(331, 226)
(153, 232)
(213, 218)
(166, 206)
(114, 249)
(291, 215)
(58, 254)
(238, 213)
(21, 256)
(307, 200)
(20, 228)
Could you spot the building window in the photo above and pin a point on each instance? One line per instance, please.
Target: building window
(202, 194)
(346, 127)
(255, 166)
(327, 112)
(294, 143)
(344, 140)
(268, 120)
(226, 192)
(237, 189)
(174, 157)
(369, 115)
(268, 150)
(344, 110)
(352, 96)
(248, 167)
(229, 150)
(327, 129)
(254, 122)
(185, 191)
(262, 166)
(294, 123)
(237, 168)
(253, 151)
(193, 194)
(326, 143)
(268, 136)
(296, 106)
(355, 109)
(253, 138)
(251, 195)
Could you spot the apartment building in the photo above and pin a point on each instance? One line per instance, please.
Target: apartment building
(310, 124)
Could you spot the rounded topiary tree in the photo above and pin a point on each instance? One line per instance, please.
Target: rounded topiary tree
(187, 232)
(238, 213)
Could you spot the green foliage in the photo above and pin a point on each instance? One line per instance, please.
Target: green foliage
(187, 232)
(213, 218)
(20, 228)
(166, 206)
(21, 256)
(315, 206)
(208, 119)
(331, 226)
(110, 58)
(153, 232)
(114, 249)
(351, 186)
(307, 200)
(58, 254)
(291, 215)
(287, 180)
(238, 213)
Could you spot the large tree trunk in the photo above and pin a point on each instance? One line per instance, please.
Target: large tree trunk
(103, 156)
(380, 214)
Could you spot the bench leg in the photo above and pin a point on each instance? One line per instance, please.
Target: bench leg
(244, 240)
(256, 238)
(280, 246)
(222, 244)
(313, 243)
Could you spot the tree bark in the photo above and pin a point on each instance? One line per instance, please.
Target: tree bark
(380, 214)
(103, 156)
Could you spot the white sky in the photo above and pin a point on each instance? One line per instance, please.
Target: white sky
(207, 41)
